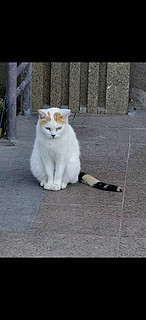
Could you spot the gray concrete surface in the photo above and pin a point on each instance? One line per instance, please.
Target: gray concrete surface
(79, 221)
(19, 193)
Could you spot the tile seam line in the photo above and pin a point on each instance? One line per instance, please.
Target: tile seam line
(137, 128)
(128, 155)
(36, 210)
(81, 205)
(101, 125)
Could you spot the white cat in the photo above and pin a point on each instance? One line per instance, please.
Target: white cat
(55, 159)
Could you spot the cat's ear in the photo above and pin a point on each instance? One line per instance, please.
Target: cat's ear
(65, 113)
(42, 114)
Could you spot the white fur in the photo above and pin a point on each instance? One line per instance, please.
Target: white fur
(55, 161)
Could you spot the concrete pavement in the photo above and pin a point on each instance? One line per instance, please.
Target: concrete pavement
(79, 221)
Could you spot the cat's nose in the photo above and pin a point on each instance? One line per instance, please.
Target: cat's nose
(52, 135)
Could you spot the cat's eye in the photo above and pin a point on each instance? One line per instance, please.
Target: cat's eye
(58, 128)
(47, 128)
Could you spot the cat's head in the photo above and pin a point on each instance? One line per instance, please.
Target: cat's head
(53, 121)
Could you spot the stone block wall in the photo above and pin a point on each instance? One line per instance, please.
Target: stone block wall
(89, 87)
(138, 75)
(117, 91)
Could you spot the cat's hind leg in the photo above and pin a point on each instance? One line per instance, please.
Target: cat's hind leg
(37, 167)
(71, 172)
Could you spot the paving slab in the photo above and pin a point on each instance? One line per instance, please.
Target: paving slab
(79, 221)
(71, 220)
(58, 245)
(106, 170)
(135, 198)
(130, 247)
(81, 194)
(19, 192)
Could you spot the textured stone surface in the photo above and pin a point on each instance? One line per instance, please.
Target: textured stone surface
(106, 121)
(133, 223)
(46, 82)
(84, 84)
(138, 75)
(135, 200)
(55, 94)
(79, 221)
(76, 220)
(57, 245)
(93, 83)
(65, 84)
(113, 75)
(37, 86)
(105, 170)
(19, 192)
(80, 194)
(117, 92)
(74, 86)
(102, 84)
(94, 150)
(137, 99)
(132, 247)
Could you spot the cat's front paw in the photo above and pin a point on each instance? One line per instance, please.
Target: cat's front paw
(56, 187)
(63, 185)
(48, 186)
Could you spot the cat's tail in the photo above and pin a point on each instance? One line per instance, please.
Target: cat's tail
(93, 182)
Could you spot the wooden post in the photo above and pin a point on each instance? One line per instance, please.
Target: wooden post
(22, 67)
(26, 109)
(11, 100)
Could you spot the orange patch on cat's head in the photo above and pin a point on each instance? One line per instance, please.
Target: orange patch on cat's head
(59, 118)
(44, 118)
